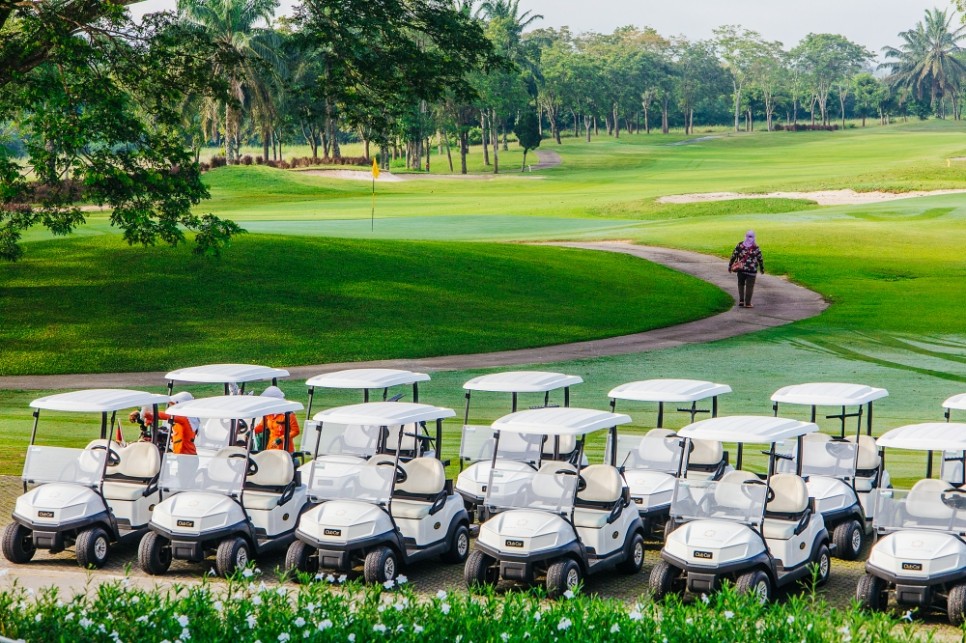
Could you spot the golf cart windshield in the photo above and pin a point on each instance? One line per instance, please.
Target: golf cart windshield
(370, 482)
(650, 453)
(59, 464)
(833, 458)
(941, 509)
(699, 499)
(552, 488)
(478, 443)
(221, 473)
(341, 439)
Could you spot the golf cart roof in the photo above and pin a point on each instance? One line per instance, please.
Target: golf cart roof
(756, 429)
(521, 382)
(668, 390)
(383, 413)
(559, 421)
(828, 394)
(367, 378)
(226, 373)
(100, 400)
(957, 402)
(929, 436)
(233, 407)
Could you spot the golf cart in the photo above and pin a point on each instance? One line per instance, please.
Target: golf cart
(367, 379)
(215, 434)
(234, 503)
(555, 522)
(843, 471)
(761, 533)
(920, 555)
(952, 466)
(477, 441)
(651, 462)
(384, 513)
(90, 497)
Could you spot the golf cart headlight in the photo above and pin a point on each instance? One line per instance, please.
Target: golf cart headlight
(214, 521)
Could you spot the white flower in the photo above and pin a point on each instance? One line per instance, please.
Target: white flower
(252, 621)
(505, 637)
(444, 608)
(182, 620)
(135, 600)
(330, 578)
(185, 634)
(300, 622)
(283, 637)
(705, 599)
(142, 619)
(319, 576)
(564, 624)
(569, 594)
(907, 616)
(326, 624)
(37, 618)
(399, 606)
(256, 600)
(85, 622)
(280, 590)
(729, 615)
(248, 573)
(342, 578)
(635, 615)
(212, 572)
(352, 638)
(537, 616)
(219, 606)
(417, 628)
(258, 571)
(389, 584)
(615, 628)
(790, 619)
(689, 621)
(306, 634)
(402, 579)
(379, 627)
(70, 616)
(441, 594)
(310, 608)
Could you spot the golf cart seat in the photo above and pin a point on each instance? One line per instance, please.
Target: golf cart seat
(227, 465)
(566, 451)
(376, 475)
(706, 460)
(547, 483)
(661, 445)
(867, 465)
(213, 434)
(411, 446)
(786, 514)
(422, 492)
(597, 503)
(728, 493)
(139, 467)
(924, 504)
(265, 487)
(90, 464)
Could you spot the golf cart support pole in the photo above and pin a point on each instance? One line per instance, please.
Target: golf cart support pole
(287, 441)
(466, 418)
(308, 411)
(513, 406)
(415, 392)
(660, 415)
(567, 397)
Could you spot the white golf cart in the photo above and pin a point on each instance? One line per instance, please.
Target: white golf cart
(215, 434)
(235, 503)
(477, 441)
(759, 533)
(555, 522)
(90, 497)
(919, 555)
(651, 462)
(384, 513)
(952, 466)
(842, 471)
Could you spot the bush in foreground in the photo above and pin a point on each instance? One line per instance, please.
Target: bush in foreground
(243, 611)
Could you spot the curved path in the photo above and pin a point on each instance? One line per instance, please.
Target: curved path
(777, 302)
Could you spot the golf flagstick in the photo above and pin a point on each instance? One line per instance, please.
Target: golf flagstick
(375, 175)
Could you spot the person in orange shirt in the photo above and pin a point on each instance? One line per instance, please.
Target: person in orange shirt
(183, 429)
(276, 424)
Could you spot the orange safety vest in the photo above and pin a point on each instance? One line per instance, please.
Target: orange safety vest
(182, 435)
(276, 431)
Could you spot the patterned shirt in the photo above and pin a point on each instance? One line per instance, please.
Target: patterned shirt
(746, 260)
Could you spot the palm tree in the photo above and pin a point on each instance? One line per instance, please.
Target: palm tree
(248, 51)
(931, 59)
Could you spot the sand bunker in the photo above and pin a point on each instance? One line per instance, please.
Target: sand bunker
(825, 197)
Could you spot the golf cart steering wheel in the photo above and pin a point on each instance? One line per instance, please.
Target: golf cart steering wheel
(252, 465)
(401, 474)
(113, 457)
(747, 492)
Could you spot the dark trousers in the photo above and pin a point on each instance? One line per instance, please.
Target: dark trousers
(746, 287)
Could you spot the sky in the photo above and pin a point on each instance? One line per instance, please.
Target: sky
(872, 23)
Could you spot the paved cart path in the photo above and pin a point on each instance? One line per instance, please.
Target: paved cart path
(777, 302)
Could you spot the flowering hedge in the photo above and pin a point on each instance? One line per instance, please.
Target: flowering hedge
(242, 611)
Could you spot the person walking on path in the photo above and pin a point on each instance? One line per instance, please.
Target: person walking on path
(747, 261)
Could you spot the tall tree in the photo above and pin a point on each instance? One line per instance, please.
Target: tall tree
(826, 59)
(738, 49)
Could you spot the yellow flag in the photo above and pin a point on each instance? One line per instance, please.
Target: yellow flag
(375, 169)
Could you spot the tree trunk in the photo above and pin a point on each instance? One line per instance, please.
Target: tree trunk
(576, 123)
(617, 123)
(665, 105)
(449, 156)
(495, 139)
(587, 123)
(523, 168)
(737, 90)
(647, 120)
(484, 131)
(464, 148)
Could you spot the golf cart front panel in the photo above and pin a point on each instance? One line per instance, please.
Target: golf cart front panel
(345, 524)
(525, 533)
(919, 557)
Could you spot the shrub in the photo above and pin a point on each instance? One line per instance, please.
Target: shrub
(217, 161)
(246, 160)
(259, 160)
(804, 127)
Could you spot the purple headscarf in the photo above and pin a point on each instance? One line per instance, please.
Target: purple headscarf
(749, 239)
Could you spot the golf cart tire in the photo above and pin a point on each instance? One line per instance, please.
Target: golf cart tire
(298, 560)
(634, 556)
(871, 593)
(480, 570)
(228, 558)
(823, 565)
(956, 604)
(755, 582)
(664, 577)
(849, 539)
(154, 554)
(92, 547)
(381, 565)
(563, 575)
(18, 543)
(459, 545)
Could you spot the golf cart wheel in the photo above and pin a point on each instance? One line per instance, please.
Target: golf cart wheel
(459, 545)
(823, 565)
(18, 543)
(956, 604)
(480, 570)
(562, 575)
(154, 554)
(381, 565)
(299, 560)
(848, 539)
(871, 593)
(757, 583)
(233, 554)
(92, 547)
(663, 580)
(634, 556)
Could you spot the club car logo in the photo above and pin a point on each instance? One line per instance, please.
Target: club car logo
(186, 523)
(514, 543)
(912, 567)
(639, 501)
(45, 514)
(332, 532)
(705, 555)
